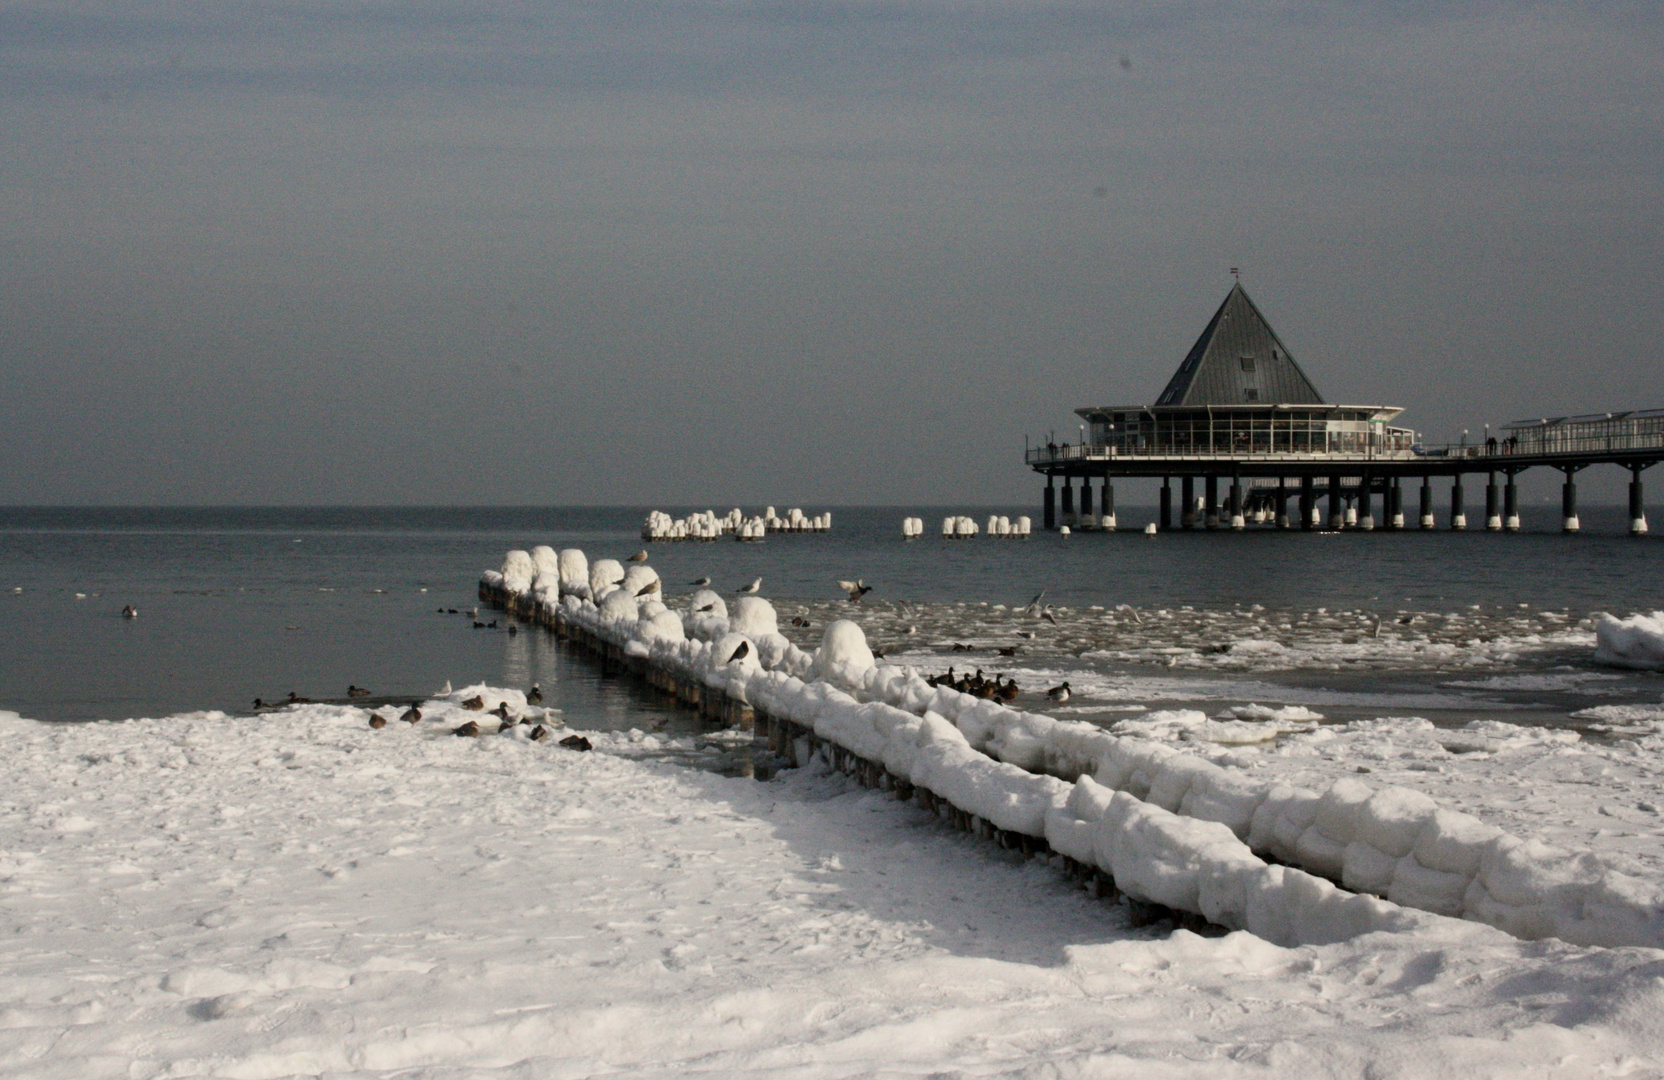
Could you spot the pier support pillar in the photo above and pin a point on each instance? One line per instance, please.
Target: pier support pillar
(1187, 495)
(1568, 503)
(1458, 514)
(1238, 522)
(1068, 501)
(1107, 506)
(1308, 504)
(1366, 511)
(1211, 511)
(1511, 504)
(1282, 503)
(1166, 503)
(1337, 505)
(1427, 521)
(1493, 514)
(1395, 504)
(1637, 507)
(1086, 502)
(1049, 508)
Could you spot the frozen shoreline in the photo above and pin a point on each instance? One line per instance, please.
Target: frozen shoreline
(298, 894)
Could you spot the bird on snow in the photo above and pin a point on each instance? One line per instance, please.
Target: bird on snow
(754, 587)
(534, 696)
(411, 715)
(640, 556)
(1059, 693)
(701, 583)
(856, 589)
(650, 587)
(740, 653)
(443, 690)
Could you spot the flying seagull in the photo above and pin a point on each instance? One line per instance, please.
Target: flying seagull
(1034, 605)
(856, 589)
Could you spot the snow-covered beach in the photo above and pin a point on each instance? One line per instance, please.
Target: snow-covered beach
(298, 894)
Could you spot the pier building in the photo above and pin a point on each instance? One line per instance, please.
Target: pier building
(1241, 412)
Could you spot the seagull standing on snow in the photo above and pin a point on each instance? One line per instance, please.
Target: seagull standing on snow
(755, 586)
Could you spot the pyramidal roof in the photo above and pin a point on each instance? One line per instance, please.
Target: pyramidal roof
(1239, 360)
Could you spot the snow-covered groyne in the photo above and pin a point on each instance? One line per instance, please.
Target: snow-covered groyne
(1293, 865)
(707, 525)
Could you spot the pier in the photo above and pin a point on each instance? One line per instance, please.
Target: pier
(1240, 416)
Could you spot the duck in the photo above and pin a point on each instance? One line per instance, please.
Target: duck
(1009, 650)
(411, 715)
(575, 742)
(474, 704)
(468, 730)
(258, 704)
(534, 696)
(1009, 691)
(501, 711)
(378, 721)
(539, 733)
(129, 612)
(354, 690)
(1060, 693)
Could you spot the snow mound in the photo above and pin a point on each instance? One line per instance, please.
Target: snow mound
(1635, 642)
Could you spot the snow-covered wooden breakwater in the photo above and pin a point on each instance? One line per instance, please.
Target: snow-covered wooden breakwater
(1167, 828)
(706, 525)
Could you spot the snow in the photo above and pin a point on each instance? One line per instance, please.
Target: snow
(1635, 642)
(297, 894)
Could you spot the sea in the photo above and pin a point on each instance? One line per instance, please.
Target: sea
(236, 604)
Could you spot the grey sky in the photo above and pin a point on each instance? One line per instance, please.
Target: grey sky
(718, 252)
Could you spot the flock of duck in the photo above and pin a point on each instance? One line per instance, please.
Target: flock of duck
(999, 688)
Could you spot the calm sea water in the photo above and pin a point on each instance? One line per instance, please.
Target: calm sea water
(240, 603)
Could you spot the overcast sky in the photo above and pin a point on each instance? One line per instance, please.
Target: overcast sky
(690, 252)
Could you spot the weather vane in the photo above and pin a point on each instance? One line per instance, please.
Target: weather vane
(1236, 273)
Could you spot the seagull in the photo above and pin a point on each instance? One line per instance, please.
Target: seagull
(1025, 633)
(739, 653)
(754, 587)
(443, 690)
(1059, 693)
(640, 556)
(701, 583)
(129, 612)
(1034, 605)
(1048, 616)
(650, 587)
(856, 589)
(702, 610)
